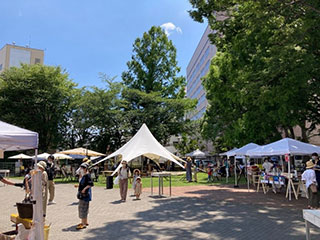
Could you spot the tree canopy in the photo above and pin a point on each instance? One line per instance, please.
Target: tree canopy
(264, 80)
(38, 98)
(154, 93)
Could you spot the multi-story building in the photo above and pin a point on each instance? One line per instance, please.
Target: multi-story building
(197, 68)
(12, 56)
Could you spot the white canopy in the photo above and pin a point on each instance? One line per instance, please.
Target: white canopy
(20, 156)
(228, 153)
(42, 156)
(143, 143)
(197, 154)
(284, 146)
(243, 150)
(14, 138)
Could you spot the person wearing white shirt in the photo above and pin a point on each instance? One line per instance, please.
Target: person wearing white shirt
(309, 178)
(124, 173)
(267, 166)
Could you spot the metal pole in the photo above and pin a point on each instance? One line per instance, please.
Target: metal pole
(235, 173)
(289, 176)
(151, 184)
(246, 162)
(170, 185)
(159, 184)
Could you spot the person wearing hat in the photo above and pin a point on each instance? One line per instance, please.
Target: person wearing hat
(51, 171)
(84, 195)
(309, 178)
(42, 166)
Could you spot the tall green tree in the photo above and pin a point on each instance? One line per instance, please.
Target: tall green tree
(97, 118)
(154, 93)
(153, 66)
(265, 79)
(38, 98)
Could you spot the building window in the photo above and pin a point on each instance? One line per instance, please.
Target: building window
(0, 67)
(37, 60)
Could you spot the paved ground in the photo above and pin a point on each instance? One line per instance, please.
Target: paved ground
(195, 212)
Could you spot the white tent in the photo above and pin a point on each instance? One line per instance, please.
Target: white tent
(143, 143)
(42, 156)
(243, 150)
(284, 146)
(20, 156)
(228, 153)
(13, 138)
(196, 154)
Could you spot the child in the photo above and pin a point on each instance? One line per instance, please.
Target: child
(215, 173)
(209, 171)
(138, 188)
(136, 174)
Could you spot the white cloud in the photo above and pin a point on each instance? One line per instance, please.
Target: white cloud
(169, 28)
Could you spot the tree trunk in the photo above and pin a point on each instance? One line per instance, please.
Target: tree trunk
(292, 132)
(304, 133)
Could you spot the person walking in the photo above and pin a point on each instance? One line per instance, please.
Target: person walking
(124, 173)
(84, 195)
(309, 178)
(51, 172)
(188, 166)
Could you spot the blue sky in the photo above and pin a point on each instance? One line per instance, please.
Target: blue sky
(88, 37)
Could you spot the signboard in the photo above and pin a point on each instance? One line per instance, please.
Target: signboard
(287, 157)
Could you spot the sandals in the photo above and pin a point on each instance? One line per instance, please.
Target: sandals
(81, 226)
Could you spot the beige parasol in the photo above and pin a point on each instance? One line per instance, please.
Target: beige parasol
(82, 151)
(20, 156)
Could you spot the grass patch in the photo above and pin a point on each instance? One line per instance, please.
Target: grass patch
(176, 181)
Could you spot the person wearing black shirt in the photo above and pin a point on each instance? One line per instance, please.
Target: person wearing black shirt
(84, 195)
(51, 171)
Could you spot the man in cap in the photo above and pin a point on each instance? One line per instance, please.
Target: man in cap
(51, 171)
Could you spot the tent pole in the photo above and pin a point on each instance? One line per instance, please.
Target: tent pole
(246, 162)
(227, 169)
(235, 173)
(289, 176)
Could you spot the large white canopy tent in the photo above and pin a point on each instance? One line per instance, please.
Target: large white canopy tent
(13, 138)
(143, 143)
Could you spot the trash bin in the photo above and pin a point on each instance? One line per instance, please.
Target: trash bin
(109, 182)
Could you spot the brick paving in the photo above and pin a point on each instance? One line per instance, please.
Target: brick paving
(193, 212)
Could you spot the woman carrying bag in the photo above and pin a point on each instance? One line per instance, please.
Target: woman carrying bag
(84, 195)
(309, 178)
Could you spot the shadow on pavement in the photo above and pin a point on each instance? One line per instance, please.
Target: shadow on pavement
(208, 218)
(71, 229)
